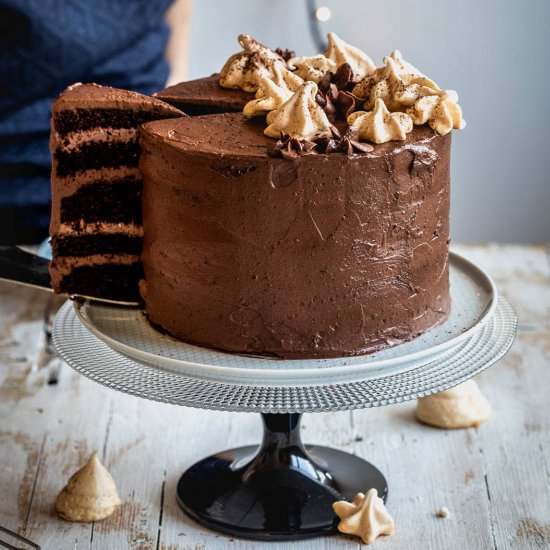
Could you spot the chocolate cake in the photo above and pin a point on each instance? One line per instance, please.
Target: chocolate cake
(321, 256)
(96, 232)
(314, 223)
(205, 96)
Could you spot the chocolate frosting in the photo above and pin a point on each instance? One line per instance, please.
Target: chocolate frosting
(320, 256)
(93, 96)
(205, 95)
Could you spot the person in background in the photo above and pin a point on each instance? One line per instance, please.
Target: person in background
(46, 45)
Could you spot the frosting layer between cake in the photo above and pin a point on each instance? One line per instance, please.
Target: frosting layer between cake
(320, 256)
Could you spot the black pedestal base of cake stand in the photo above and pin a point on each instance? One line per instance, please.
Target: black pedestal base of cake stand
(282, 490)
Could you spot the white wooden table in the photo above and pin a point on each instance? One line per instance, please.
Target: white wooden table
(495, 480)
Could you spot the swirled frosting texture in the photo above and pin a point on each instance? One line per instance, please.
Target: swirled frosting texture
(379, 125)
(398, 89)
(441, 112)
(320, 256)
(245, 69)
(300, 117)
(312, 68)
(403, 88)
(273, 92)
(341, 52)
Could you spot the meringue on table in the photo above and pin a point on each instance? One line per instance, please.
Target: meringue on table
(366, 517)
(90, 494)
(463, 406)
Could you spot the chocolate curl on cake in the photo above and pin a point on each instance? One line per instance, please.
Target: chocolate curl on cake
(337, 104)
(348, 143)
(342, 79)
(289, 147)
(334, 96)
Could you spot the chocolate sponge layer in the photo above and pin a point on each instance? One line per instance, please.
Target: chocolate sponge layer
(110, 281)
(114, 201)
(100, 243)
(96, 155)
(74, 120)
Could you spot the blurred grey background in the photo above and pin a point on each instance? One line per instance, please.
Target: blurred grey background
(495, 53)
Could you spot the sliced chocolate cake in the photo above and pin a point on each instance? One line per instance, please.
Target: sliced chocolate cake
(205, 96)
(96, 232)
(314, 223)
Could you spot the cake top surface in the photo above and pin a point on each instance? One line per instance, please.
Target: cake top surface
(206, 91)
(95, 96)
(233, 134)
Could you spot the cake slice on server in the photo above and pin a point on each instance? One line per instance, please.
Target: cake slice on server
(96, 232)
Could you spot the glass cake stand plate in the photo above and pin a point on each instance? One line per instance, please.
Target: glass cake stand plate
(127, 331)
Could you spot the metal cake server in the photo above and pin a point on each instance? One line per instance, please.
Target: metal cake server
(28, 269)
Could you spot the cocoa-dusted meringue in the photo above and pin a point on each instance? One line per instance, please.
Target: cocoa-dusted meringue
(366, 517)
(441, 112)
(300, 117)
(404, 66)
(312, 68)
(379, 125)
(273, 92)
(341, 52)
(90, 494)
(460, 407)
(245, 69)
(399, 89)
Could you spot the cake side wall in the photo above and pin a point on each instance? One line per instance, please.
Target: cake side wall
(322, 256)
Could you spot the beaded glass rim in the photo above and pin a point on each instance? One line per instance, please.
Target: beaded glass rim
(89, 356)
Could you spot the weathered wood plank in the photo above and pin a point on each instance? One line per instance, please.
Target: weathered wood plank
(21, 444)
(515, 444)
(521, 274)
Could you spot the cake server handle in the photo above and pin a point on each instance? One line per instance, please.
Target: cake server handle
(24, 268)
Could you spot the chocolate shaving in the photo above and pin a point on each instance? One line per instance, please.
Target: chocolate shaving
(337, 104)
(343, 76)
(342, 79)
(347, 144)
(325, 102)
(335, 132)
(324, 83)
(346, 103)
(289, 147)
(285, 54)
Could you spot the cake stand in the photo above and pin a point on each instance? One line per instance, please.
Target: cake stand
(283, 489)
